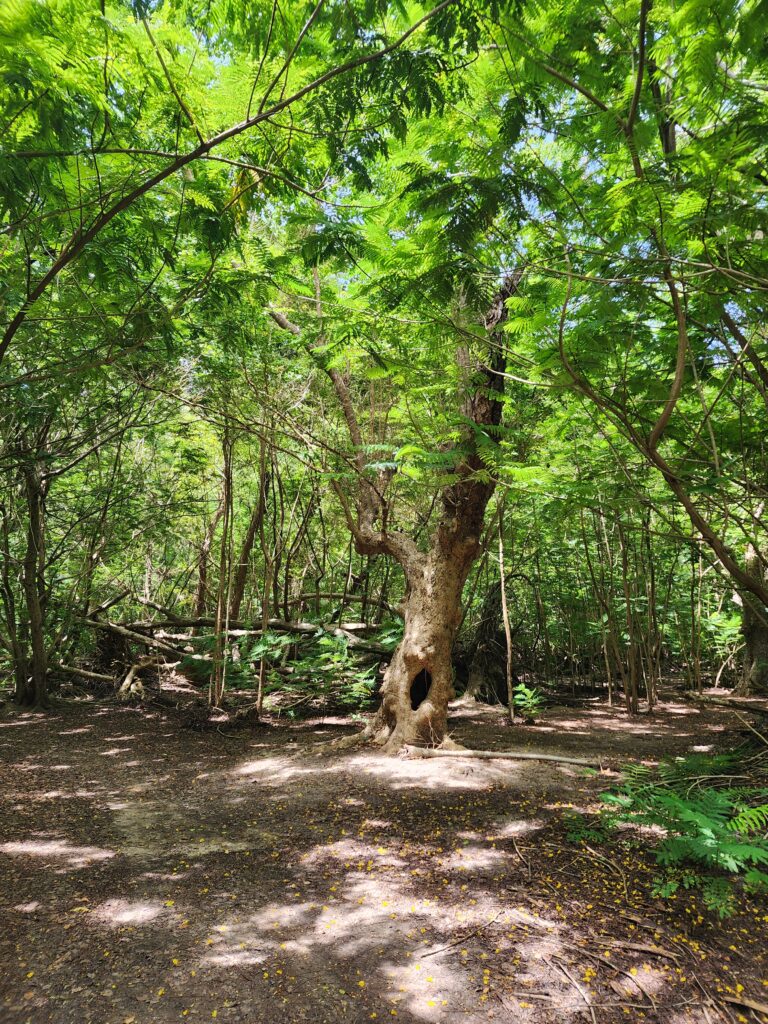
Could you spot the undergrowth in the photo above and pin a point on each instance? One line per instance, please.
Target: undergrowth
(705, 818)
(300, 668)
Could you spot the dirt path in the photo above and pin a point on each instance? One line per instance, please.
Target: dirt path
(154, 875)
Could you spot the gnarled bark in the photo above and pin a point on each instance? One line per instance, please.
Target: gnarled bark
(418, 683)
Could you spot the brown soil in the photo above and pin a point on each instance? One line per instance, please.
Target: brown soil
(153, 874)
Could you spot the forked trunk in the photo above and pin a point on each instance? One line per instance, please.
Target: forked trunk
(418, 683)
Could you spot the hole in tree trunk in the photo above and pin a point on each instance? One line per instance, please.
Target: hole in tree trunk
(420, 688)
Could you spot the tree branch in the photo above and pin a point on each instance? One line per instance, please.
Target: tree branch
(82, 237)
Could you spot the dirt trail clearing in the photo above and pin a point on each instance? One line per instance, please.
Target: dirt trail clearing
(156, 875)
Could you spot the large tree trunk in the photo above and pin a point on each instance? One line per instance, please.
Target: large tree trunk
(32, 687)
(754, 627)
(418, 683)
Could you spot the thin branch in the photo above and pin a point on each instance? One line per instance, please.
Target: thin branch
(177, 95)
(644, 7)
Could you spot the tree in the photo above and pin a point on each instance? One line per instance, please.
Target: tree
(418, 683)
(381, 268)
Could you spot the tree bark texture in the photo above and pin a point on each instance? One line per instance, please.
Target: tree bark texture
(32, 686)
(754, 680)
(418, 683)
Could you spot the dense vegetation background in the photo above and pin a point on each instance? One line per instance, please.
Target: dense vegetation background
(297, 299)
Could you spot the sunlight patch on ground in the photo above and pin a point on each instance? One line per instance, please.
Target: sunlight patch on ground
(351, 850)
(227, 957)
(476, 858)
(519, 827)
(118, 913)
(363, 916)
(57, 850)
(428, 774)
(426, 990)
(24, 719)
(275, 770)
(437, 773)
(61, 794)
(556, 728)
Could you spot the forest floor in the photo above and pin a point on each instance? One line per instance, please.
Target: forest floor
(153, 874)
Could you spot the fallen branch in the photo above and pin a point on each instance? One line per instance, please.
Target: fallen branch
(133, 687)
(84, 673)
(470, 935)
(641, 947)
(581, 950)
(93, 612)
(505, 755)
(751, 1004)
(237, 628)
(751, 728)
(729, 702)
(129, 634)
(346, 598)
(562, 967)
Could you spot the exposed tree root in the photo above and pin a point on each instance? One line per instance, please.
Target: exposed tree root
(506, 755)
(448, 748)
(348, 742)
(449, 743)
(752, 1004)
(357, 739)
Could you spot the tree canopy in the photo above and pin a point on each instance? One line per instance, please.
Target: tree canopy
(322, 293)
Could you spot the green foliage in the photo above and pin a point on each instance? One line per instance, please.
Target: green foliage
(708, 829)
(380, 212)
(333, 662)
(529, 701)
(582, 829)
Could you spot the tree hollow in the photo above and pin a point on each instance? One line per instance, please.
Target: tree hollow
(420, 688)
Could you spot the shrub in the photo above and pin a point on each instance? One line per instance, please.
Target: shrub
(528, 701)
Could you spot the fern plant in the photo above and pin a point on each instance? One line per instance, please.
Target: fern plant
(713, 833)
